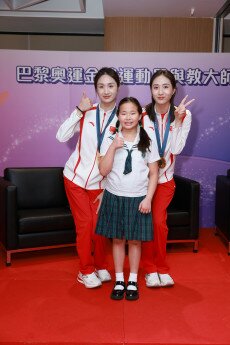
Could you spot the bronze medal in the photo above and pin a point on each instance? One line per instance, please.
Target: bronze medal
(162, 163)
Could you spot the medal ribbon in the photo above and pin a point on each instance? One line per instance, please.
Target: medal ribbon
(100, 134)
(161, 149)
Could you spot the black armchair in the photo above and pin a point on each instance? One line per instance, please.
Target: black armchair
(183, 212)
(34, 212)
(222, 207)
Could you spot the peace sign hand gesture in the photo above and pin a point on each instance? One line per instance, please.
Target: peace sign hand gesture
(180, 111)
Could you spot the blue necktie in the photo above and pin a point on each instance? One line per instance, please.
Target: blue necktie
(128, 162)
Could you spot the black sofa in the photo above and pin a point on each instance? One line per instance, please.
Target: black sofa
(34, 212)
(222, 207)
(183, 212)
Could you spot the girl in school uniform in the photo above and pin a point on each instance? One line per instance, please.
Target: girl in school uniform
(169, 126)
(129, 160)
(83, 182)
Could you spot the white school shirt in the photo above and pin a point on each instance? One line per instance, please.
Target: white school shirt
(135, 183)
(176, 140)
(82, 166)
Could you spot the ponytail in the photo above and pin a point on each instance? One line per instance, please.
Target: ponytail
(144, 141)
(150, 110)
(171, 112)
(117, 126)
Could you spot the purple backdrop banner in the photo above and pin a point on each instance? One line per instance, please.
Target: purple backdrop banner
(38, 91)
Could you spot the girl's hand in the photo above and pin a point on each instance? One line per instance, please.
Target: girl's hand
(145, 206)
(180, 111)
(85, 103)
(118, 142)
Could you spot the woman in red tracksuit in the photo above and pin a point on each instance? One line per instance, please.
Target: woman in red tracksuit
(83, 182)
(169, 125)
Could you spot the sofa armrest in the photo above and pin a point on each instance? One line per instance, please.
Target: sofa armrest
(187, 192)
(187, 197)
(222, 205)
(8, 214)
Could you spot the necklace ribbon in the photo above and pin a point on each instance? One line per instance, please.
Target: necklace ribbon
(101, 134)
(161, 148)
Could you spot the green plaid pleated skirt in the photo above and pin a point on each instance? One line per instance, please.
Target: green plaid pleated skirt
(120, 218)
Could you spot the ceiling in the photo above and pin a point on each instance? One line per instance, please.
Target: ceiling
(162, 8)
(87, 16)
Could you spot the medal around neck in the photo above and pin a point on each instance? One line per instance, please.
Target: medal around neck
(162, 163)
(161, 148)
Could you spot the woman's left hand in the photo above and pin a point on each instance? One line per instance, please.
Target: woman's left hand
(180, 111)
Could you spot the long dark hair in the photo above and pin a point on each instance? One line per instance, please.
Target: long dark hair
(144, 142)
(109, 71)
(150, 107)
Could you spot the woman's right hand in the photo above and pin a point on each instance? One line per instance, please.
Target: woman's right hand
(85, 103)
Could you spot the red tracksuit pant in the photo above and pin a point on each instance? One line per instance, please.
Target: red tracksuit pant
(154, 252)
(83, 210)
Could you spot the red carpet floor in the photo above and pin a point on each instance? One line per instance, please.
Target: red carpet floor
(41, 302)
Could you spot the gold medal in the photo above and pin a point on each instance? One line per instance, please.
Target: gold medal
(162, 163)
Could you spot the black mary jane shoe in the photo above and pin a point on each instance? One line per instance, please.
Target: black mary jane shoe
(132, 295)
(118, 294)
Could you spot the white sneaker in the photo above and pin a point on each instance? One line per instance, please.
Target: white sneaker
(89, 280)
(166, 280)
(152, 280)
(103, 275)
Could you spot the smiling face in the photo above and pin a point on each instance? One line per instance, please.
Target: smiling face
(162, 91)
(107, 90)
(129, 116)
